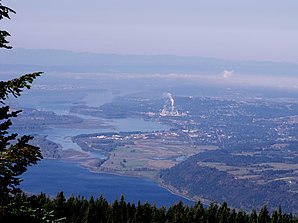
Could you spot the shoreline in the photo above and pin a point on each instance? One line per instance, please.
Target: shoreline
(157, 181)
(174, 198)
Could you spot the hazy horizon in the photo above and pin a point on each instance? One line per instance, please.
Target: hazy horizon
(183, 70)
(255, 30)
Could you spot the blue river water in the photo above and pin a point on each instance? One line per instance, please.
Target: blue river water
(53, 176)
(62, 136)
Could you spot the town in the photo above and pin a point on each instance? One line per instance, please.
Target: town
(249, 143)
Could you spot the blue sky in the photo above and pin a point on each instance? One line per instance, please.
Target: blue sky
(229, 29)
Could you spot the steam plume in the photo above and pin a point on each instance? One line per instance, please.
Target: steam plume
(227, 73)
(170, 96)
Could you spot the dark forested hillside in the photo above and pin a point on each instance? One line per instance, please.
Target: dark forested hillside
(213, 184)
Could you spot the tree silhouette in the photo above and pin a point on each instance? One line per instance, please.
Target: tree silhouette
(4, 13)
(16, 154)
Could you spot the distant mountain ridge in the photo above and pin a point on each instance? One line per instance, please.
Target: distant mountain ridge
(62, 60)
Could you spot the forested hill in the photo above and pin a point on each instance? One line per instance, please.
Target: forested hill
(61, 60)
(208, 182)
(40, 208)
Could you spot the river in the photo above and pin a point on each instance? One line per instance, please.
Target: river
(53, 176)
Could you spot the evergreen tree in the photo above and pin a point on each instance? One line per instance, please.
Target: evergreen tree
(264, 216)
(102, 209)
(138, 214)
(158, 214)
(16, 154)
(212, 213)
(122, 210)
(131, 211)
(253, 218)
(275, 217)
(4, 13)
(232, 216)
(60, 205)
(241, 217)
(199, 212)
(90, 215)
(115, 214)
(74, 206)
(223, 213)
(147, 215)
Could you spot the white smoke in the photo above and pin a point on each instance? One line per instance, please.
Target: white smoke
(227, 73)
(169, 107)
(170, 97)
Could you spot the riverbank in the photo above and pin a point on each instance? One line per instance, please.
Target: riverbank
(138, 174)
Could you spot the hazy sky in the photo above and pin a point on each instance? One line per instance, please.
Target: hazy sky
(232, 29)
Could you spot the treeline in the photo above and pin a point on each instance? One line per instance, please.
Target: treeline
(42, 208)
